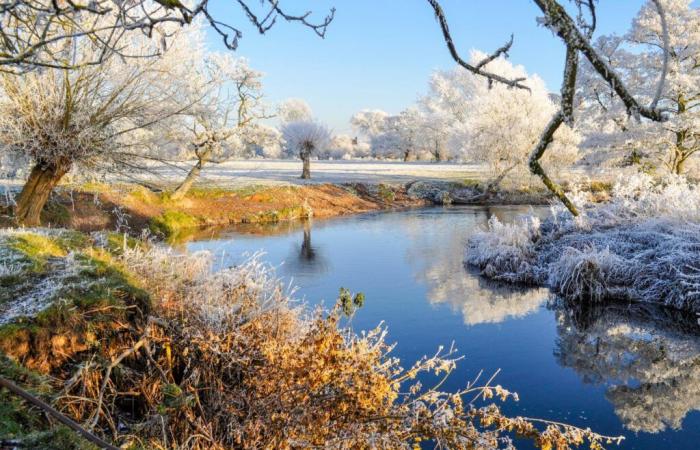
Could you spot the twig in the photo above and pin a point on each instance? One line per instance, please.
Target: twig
(10, 386)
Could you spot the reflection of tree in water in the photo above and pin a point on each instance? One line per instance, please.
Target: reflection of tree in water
(308, 253)
(307, 258)
(649, 356)
(481, 300)
(436, 252)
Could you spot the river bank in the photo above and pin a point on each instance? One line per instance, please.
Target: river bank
(133, 208)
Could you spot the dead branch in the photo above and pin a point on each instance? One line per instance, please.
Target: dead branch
(477, 69)
(10, 386)
(35, 33)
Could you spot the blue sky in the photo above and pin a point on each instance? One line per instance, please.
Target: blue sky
(380, 53)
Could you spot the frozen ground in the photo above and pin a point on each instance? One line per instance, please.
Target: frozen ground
(276, 172)
(239, 173)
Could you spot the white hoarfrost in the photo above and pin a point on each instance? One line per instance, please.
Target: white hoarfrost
(644, 245)
(31, 296)
(222, 298)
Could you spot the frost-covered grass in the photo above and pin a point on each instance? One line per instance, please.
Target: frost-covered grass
(65, 292)
(643, 245)
(232, 353)
(42, 268)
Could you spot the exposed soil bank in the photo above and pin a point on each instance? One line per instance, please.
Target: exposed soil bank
(133, 208)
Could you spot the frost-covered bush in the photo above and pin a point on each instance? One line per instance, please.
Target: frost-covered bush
(584, 274)
(506, 251)
(643, 245)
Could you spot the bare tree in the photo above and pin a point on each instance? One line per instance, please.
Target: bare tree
(36, 33)
(89, 116)
(223, 122)
(576, 34)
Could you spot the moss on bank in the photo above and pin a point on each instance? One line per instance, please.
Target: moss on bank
(64, 293)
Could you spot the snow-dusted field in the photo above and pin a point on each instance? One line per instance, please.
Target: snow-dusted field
(275, 172)
(283, 172)
(240, 173)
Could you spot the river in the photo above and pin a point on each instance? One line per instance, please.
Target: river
(619, 369)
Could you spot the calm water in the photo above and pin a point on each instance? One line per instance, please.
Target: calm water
(619, 370)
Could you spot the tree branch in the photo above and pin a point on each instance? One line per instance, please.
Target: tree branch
(477, 69)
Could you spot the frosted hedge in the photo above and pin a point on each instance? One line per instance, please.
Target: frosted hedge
(643, 245)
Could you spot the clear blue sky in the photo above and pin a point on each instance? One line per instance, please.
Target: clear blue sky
(380, 53)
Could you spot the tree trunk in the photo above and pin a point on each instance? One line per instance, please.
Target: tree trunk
(492, 187)
(680, 155)
(187, 183)
(306, 166)
(35, 193)
(678, 164)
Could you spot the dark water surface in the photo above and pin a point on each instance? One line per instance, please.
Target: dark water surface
(624, 370)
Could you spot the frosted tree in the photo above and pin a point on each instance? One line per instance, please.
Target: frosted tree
(38, 33)
(228, 103)
(90, 116)
(265, 141)
(369, 122)
(342, 146)
(575, 32)
(435, 134)
(416, 133)
(398, 137)
(638, 56)
(494, 124)
(294, 110)
(305, 139)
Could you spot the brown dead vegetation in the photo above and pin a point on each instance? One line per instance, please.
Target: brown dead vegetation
(100, 207)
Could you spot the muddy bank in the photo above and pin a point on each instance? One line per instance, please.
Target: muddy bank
(133, 208)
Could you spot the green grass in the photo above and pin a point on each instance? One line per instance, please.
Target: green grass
(274, 216)
(84, 303)
(386, 193)
(210, 192)
(471, 183)
(36, 249)
(247, 191)
(597, 187)
(117, 242)
(171, 221)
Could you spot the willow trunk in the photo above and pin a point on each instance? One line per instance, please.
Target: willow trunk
(306, 164)
(35, 193)
(187, 183)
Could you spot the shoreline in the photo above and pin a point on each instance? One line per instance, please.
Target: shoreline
(135, 209)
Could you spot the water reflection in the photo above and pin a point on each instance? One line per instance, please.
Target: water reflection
(307, 258)
(437, 259)
(649, 358)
